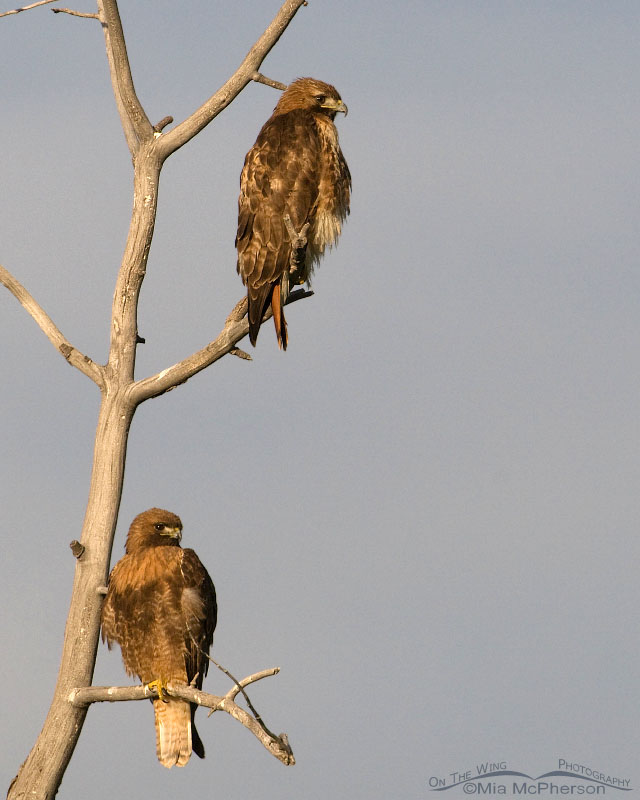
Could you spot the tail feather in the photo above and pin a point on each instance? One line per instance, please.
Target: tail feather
(173, 732)
(259, 300)
(196, 741)
(279, 321)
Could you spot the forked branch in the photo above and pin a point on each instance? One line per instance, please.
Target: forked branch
(277, 745)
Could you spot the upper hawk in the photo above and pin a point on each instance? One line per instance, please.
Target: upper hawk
(161, 609)
(295, 168)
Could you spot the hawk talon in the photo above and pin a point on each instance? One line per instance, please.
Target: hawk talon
(160, 688)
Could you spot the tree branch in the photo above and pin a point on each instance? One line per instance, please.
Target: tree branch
(135, 123)
(73, 13)
(278, 746)
(47, 326)
(258, 77)
(27, 8)
(235, 329)
(246, 72)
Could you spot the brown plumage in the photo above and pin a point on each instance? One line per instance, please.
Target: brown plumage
(296, 167)
(161, 609)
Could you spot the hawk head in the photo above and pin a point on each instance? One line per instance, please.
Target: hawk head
(154, 528)
(313, 95)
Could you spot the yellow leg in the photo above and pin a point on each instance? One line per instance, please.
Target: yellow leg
(160, 687)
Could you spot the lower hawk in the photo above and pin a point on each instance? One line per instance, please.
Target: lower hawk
(161, 609)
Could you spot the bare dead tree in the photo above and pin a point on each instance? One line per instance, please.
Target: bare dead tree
(40, 775)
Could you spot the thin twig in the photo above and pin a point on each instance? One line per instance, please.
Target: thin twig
(47, 326)
(159, 126)
(26, 8)
(73, 13)
(241, 688)
(236, 351)
(206, 655)
(258, 77)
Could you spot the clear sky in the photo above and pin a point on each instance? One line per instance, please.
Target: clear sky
(426, 510)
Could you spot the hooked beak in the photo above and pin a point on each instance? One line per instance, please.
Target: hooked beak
(173, 533)
(336, 106)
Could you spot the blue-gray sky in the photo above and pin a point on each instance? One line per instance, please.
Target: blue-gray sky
(425, 511)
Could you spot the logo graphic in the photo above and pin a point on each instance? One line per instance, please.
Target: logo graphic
(495, 777)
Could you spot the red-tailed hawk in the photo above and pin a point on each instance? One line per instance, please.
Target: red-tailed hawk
(161, 609)
(295, 168)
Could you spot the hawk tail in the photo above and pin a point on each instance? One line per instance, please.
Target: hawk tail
(258, 304)
(196, 741)
(258, 301)
(277, 309)
(173, 732)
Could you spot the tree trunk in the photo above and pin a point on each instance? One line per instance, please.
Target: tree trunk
(41, 773)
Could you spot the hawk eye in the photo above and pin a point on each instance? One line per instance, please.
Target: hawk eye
(320, 98)
(159, 526)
